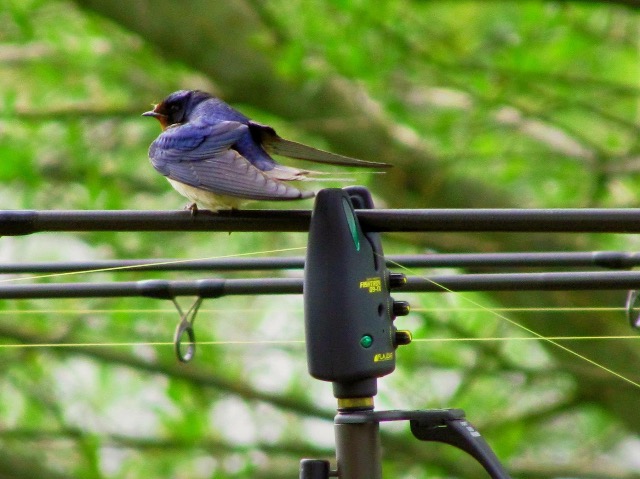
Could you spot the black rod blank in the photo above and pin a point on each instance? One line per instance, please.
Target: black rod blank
(23, 222)
(503, 220)
(596, 259)
(214, 288)
(571, 281)
(158, 289)
(159, 264)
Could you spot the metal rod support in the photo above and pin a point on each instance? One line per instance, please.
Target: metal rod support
(23, 222)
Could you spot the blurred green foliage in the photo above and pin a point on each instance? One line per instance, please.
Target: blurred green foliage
(533, 103)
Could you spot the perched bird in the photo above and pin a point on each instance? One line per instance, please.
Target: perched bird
(219, 158)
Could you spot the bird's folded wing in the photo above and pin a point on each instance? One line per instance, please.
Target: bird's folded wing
(229, 173)
(192, 142)
(275, 144)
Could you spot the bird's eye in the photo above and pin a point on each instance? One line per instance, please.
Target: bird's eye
(175, 112)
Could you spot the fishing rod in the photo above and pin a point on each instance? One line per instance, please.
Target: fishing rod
(595, 259)
(349, 313)
(627, 220)
(218, 287)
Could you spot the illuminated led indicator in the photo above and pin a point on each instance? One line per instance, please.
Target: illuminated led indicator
(366, 341)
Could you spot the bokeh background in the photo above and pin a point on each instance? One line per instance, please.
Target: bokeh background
(524, 104)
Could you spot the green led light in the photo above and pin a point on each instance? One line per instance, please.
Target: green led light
(351, 221)
(366, 341)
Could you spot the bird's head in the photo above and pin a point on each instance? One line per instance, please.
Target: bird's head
(176, 108)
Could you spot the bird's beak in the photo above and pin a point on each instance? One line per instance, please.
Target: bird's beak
(155, 113)
(161, 117)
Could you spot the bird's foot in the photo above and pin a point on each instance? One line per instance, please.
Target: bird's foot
(193, 207)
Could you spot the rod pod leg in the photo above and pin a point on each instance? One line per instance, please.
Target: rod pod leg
(358, 450)
(315, 469)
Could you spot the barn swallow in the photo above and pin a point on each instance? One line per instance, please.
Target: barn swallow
(218, 158)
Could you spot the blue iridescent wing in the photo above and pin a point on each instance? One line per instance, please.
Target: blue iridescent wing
(201, 157)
